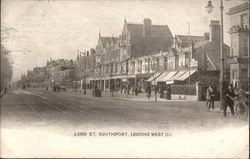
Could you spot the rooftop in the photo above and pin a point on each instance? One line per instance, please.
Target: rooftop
(238, 8)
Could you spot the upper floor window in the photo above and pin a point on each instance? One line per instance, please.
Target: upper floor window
(243, 20)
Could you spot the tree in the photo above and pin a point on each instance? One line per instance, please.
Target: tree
(6, 68)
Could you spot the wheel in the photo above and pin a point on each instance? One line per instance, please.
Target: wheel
(241, 111)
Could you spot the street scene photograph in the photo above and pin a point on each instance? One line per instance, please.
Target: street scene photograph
(124, 79)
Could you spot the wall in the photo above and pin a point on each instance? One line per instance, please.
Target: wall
(235, 18)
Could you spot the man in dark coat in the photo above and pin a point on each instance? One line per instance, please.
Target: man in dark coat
(148, 91)
(229, 99)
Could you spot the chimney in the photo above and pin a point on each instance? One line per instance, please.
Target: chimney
(215, 31)
(206, 35)
(147, 28)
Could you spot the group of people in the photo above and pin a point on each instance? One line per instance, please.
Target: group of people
(164, 91)
(229, 98)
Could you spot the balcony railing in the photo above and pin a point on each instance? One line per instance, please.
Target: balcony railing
(238, 28)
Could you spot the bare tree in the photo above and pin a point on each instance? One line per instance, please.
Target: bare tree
(5, 67)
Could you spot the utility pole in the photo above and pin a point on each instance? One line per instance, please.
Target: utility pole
(127, 75)
(0, 72)
(209, 10)
(222, 59)
(189, 54)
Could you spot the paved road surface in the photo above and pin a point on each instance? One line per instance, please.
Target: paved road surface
(49, 120)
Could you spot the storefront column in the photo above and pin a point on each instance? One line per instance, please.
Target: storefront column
(104, 88)
(115, 84)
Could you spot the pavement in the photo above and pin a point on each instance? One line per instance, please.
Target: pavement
(40, 123)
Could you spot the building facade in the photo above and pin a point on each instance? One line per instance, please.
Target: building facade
(239, 34)
(146, 53)
(60, 72)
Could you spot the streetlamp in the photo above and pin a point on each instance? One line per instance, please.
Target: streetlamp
(209, 10)
(110, 83)
(127, 75)
(84, 87)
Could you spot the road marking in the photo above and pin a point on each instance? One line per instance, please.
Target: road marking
(66, 106)
(38, 113)
(39, 96)
(53, 106)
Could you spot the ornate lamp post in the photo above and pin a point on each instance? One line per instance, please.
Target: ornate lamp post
(209, 10)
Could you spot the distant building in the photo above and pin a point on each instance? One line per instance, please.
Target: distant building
(59, 71)
(35, 77)
(239, 34)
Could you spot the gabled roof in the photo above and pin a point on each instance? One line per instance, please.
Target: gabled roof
(161, 39)
(157, 31)
(185, 40)
(196, 45)
(108, 40)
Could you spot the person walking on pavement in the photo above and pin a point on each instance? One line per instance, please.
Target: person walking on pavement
(229, 100)
(148, 91)
(156, 89)
(210, 97)
(168, 93)
(161, 92)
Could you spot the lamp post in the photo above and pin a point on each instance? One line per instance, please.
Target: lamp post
(127, 76)
(84, 86)
(110, 83)
(209, 10)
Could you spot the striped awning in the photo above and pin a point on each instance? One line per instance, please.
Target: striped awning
(186, 75)
(180, 76)
(154, 76)
(159, 79)
(177, 75)
(168, 76)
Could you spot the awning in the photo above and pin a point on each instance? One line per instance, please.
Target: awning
(177, 75)
(168, 76)
(185, 75)
(154, 76)
(159, 79)
(180, 76)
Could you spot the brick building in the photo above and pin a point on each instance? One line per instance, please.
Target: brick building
(146, 53)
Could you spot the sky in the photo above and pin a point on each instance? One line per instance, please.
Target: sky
(45, 29)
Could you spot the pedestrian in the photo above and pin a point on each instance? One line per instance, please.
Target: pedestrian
(156, 89)
(148, 91)
(168, 93)
(136, 90)
(161, 92)
(229, 100)
(210, 97)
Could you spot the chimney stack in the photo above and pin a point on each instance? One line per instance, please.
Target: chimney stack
(215, 31)
(147, 28)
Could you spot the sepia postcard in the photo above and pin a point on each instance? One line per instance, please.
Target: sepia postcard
(124, 79)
